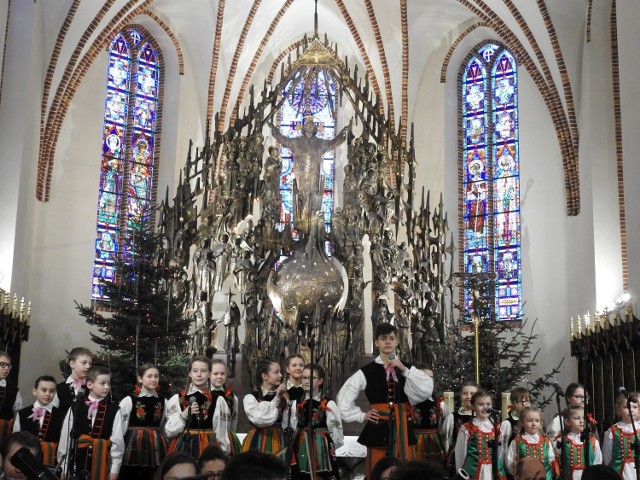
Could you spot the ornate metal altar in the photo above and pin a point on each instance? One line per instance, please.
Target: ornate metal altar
(295, 279)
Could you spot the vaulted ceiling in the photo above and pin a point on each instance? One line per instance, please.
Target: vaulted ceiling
(224, 46)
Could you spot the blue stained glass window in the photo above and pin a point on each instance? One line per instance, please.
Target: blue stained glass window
(491, 174)
(127, 170)
(319, 101)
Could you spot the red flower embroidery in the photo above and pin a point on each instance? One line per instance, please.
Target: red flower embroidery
(137, 390)
(157, 411)
(591, 419)
(140, 411)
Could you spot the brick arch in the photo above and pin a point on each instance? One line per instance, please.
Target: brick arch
(72, 78)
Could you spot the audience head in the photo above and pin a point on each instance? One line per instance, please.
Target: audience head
(599, 472)
(14, 443)
(529, 468)
(213, 460)
(177, 465)
(80, 360)
(255, 466)
(384, 468)
(44, 389)
(418, 469)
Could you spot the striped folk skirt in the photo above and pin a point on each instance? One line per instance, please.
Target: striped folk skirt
(145, 447)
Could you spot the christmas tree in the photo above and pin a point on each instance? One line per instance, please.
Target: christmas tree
(142, 320)
(506, 347)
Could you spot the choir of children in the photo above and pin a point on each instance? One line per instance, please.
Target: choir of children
(296, 421)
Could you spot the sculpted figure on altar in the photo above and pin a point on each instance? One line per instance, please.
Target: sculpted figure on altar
(308, 151)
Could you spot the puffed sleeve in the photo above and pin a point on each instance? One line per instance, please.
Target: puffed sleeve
(334, 424)
(554, 427)
(418, 385)
(294, 416)
(63, 445)
(347, 395)
(125, 410)
(597, 459)
(17, 404)
(175, 421)
(446, 432)
(221, 423)
(607, 447)
(461, 447)
(261, 414)
(505, 429)
(16, 423)
(510, 462)
(234, 416)
(117, 444)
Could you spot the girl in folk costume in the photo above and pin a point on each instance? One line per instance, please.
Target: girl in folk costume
(574, 395)
(531, 442)
(225, 415)
(519, 398)
(473, 449)
(99, 424)
(142, 415)
(265, 409)
(190, 413)
(427, 418)
(319, 453)
(617, 446)
(293, 365)
(42, 419)
(10, 398)
(80, 360)
(457, 418)
(574, 448)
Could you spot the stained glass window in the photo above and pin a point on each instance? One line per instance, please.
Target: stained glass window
(319, 101)
(128, 150)
(491, 174)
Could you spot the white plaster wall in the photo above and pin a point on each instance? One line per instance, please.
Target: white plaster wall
(629, 39)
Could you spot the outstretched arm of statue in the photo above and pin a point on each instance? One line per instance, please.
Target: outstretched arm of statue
(341, 136)
(278, 134)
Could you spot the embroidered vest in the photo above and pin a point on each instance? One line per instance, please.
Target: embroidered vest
(146, 411)
(296, 393)
(535, 450)
(103, 424)
(479, 451)
(7, 399)
(621, 450)
(206, 405)
(377, 391)
(425, 415)
(51, 426)
(459, 419)
(574, 455)
(319, 413)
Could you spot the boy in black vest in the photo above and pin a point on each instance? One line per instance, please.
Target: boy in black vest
(42, 419)
(390, 386)
(99, 424)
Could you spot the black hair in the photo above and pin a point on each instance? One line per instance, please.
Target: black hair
(599, 472)
(262, 367)
(382, 465)
(256, 466)
(212, 453)
(173, 459)
(571, 389)
(384, 328)
(44, 378)
(419, 469)
(24, 439)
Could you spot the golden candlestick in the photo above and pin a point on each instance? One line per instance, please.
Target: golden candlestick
(579, 327)
(571, 334)
(506, 399)
(476, 332)
(448, 400)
